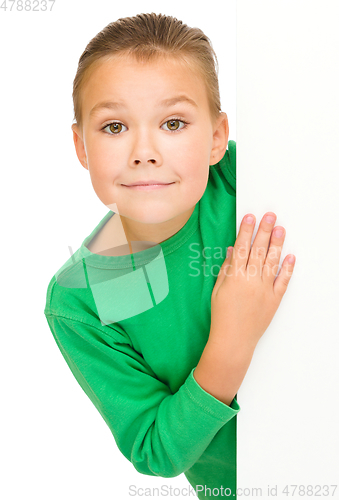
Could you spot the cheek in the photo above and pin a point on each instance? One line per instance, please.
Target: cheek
(195, 178)
(196, 157)
(195, 146)
(102, 158)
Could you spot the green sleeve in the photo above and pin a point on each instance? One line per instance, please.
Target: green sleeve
(160, 433)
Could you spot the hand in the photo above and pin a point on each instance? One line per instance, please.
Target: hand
(247, 292)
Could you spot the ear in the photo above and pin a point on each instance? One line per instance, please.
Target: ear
(79, 145)
(220, 139)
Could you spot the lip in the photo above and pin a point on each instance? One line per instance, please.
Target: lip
(148, 187)
(143, 183)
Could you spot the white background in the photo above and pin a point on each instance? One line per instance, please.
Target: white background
(287, 153)
(55, 444)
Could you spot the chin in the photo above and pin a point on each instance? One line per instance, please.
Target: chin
(151, 214)
(151, 219)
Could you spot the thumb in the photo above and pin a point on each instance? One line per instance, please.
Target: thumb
(223, 269)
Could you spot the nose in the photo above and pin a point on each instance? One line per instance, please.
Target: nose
(145, 150)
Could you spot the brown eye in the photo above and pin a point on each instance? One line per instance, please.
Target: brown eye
(115, 128)
(173, 124)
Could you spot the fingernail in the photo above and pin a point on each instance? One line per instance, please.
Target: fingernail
(278, 233)
(249, 219)
(269, 218)
(291, 259)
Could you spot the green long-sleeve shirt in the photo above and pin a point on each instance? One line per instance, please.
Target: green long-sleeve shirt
(132, 329)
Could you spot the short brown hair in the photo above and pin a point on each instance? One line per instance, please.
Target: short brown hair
(147, 36)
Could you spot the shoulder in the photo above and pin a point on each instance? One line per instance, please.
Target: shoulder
(66, 289)
(226, 167)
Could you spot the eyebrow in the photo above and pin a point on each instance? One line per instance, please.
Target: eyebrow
(165, 103)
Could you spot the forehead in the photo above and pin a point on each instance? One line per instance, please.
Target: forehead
(125, 78)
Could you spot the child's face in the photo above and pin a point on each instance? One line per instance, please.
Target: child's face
(144, 144)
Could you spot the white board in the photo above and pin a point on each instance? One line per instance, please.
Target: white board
(287, 162)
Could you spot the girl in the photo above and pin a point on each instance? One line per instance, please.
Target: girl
(156, 323)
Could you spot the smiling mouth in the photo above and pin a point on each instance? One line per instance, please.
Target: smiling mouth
(148, 187)
(146, 183)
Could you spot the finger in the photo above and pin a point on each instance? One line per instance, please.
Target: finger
(261, 242)
(271, 265)
(282, 280)
(242, 244)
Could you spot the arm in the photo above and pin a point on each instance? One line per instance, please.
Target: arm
(245, 298)
(222, 368)
(153, 428)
